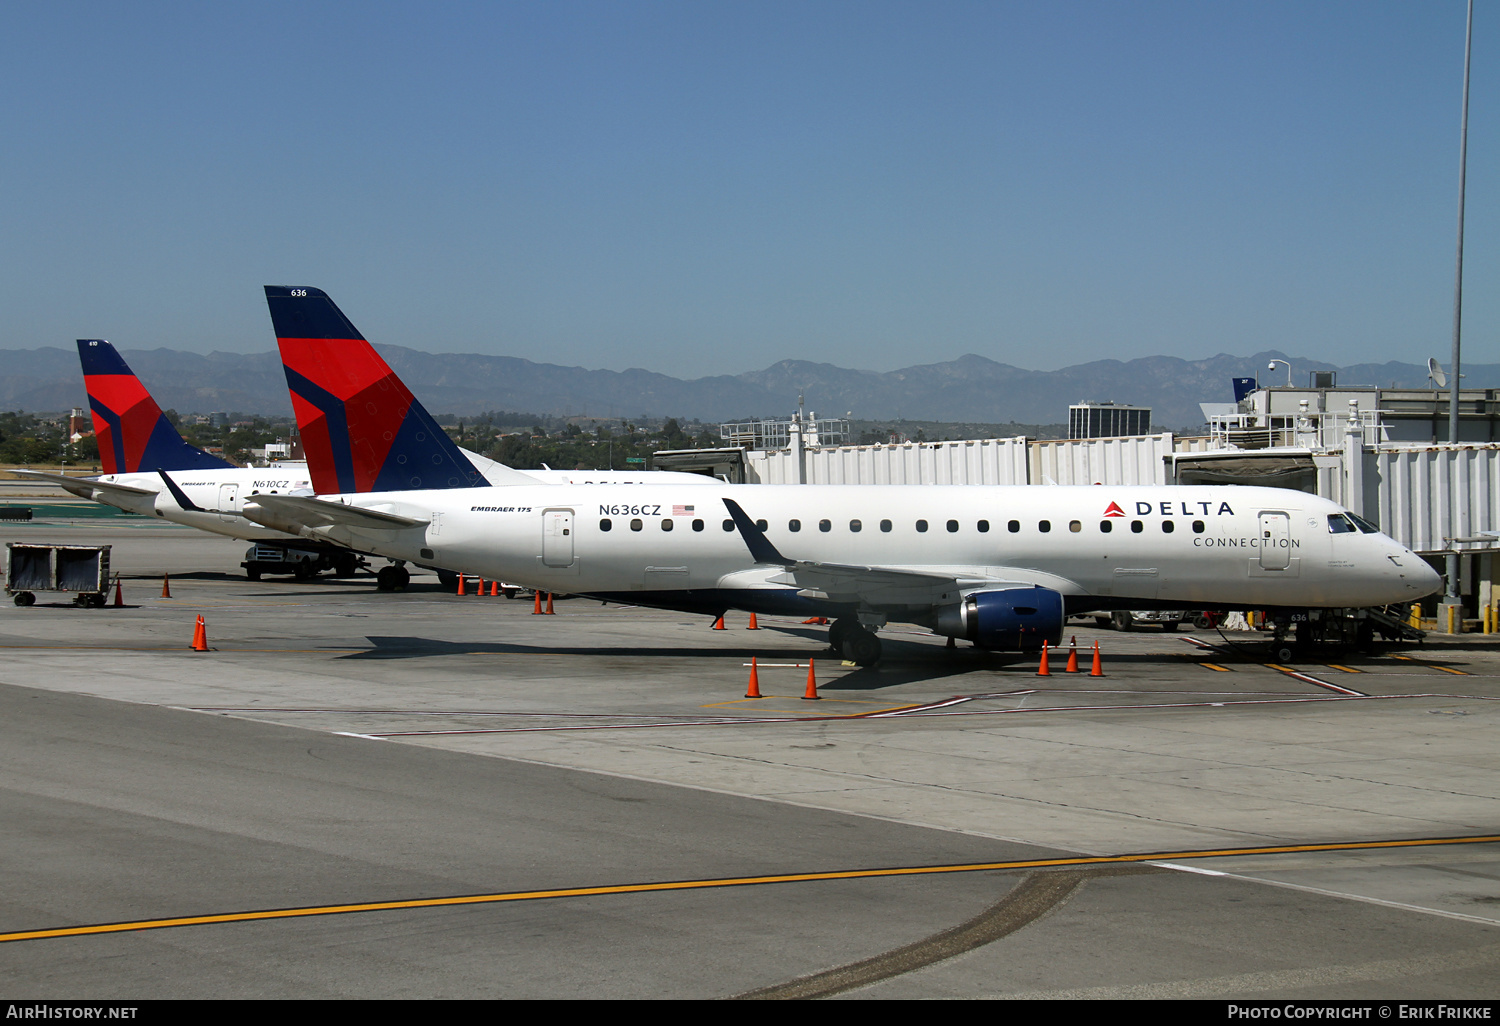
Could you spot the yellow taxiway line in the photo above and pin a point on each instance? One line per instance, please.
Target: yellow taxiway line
(733, 881)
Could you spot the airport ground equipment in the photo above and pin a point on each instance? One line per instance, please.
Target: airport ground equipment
(302, 563)
(1127, 619)
(80, 569)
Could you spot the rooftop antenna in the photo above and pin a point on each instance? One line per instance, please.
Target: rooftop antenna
(1435, 373)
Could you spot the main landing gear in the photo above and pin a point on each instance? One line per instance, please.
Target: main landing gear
(853, 642)
(394, 577)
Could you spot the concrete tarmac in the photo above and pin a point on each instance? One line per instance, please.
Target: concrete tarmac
(341, 745)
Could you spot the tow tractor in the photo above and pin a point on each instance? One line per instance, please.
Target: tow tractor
(1301, 629)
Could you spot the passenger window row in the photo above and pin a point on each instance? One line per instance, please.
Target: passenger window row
(952, 526)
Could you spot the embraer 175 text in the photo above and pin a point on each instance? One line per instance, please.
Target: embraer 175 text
(999, 565)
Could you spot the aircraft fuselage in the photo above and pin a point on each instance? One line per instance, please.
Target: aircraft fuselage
(1227, 547)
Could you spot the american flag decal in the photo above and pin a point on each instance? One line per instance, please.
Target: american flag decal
(681, 511)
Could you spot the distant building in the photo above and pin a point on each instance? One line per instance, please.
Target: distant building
(79, 426)
(1108, 420)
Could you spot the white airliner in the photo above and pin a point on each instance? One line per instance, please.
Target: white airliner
(998, 565)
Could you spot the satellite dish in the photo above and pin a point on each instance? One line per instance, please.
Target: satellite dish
(1435, 373)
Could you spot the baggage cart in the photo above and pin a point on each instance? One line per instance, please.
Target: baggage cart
(82, 570)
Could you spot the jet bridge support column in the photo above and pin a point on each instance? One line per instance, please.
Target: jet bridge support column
(1354, 472)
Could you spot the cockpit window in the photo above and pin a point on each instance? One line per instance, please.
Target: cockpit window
(1364, 525)
(1340, 524)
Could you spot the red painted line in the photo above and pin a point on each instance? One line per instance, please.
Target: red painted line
(1309, 678)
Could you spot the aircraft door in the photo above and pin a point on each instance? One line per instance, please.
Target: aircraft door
(1275, 541)
(229, 501)
(557, 537)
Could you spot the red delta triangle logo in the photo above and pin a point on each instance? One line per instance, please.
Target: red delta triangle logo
(1114, 510)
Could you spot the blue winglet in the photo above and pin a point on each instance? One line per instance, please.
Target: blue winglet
(761, 549)
(179, 494)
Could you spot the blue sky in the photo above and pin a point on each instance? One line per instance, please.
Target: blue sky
(700, 188)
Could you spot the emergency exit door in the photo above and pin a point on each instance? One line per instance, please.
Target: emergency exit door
(1275, 541)
(557, 537)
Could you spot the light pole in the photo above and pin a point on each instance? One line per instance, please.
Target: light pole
(1451, 595)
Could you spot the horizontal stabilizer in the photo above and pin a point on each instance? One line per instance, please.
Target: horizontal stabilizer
(498, 473)
(293, 514)
(88, 488)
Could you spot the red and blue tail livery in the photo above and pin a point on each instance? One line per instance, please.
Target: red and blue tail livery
(134, 435)
(361, 429)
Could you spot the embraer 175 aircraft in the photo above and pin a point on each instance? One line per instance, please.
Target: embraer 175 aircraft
(998, 565)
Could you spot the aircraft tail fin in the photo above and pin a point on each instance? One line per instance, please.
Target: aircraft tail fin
(362, 429)
(134, 435)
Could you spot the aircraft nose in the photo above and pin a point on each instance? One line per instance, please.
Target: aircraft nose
(1421, 578)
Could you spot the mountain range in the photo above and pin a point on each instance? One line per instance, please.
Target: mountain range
(970, 388)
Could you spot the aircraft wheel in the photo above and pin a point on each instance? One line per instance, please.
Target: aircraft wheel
(389, 579)
(253, 575)
(448, 579)
(1171, 625)
(509, 593)
(305, 571)
(861, 647)
(25, 598)
(1123, 621)
(403, 578)
(838, 631)
(345, 565)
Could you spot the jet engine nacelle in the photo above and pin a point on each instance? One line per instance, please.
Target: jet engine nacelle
(1012, 618)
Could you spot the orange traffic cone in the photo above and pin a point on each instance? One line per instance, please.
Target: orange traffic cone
(549, 604)
(1043, 671)
(1098, 670)
(811, 694)
(719, 623)
(494, 588)
(753, 625)
(200, 635)
(536, 606)
(1072, 666)
(753, 691)
(119, 601)
(460, 584)
(166, 587)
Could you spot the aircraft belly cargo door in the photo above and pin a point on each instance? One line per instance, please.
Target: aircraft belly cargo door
(557, 537)
(1275, 541)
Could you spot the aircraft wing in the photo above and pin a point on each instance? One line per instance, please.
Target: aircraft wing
(875, 585)
(86, 488)
(293, 514)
